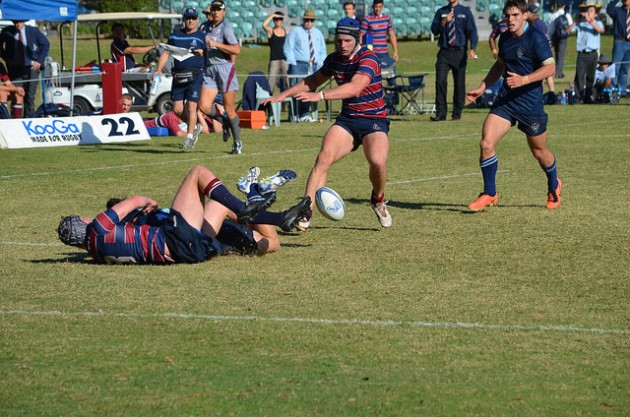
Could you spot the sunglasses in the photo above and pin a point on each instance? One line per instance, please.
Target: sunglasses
(309, 20)
(278, 18)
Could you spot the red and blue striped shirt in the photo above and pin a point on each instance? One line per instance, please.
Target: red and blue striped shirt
(378, 26)
(114, 242)
(370, 103)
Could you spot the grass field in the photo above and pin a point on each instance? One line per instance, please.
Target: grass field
(516, 311)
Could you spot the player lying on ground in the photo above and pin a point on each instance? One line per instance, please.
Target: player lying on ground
(188, 232)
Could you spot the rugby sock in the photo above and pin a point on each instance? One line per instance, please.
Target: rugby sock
(374, 199)
(269, 217)
(216, 191)
(552, 176)
(235, 123)
(16, 111)
(489, 171)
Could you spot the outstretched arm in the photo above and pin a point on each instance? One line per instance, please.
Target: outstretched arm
(130, 204)
(308, 84)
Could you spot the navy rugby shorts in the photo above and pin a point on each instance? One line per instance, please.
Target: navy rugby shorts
(359, 127)
(532, 125)
(185, 243)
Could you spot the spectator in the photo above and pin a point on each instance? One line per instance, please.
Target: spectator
(604, 78)
(10, 91)
(305, 49)
(558, 33)
(123, 52)
(498, 29)
(220, 77)
(534, 19)
(24, 49)
(456, 26)
(187, 73)
(589, 28)
(621, 47)
(380, 25)
(350, 10)
(278, 67)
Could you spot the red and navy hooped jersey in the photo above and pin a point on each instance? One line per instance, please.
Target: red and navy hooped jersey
(114, 242)
(378, 26)
(371, 102)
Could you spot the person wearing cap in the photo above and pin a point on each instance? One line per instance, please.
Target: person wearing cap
(588, 30)
(24, 49)
(604, 79)
(380, 26)
(456, 27)
(121, 50)
(559, 17)
(533, 17)
(221, 47)
(363, 120)
(621, 47)
(305, 50)
(187, 73)
(278, 67)
(525, 59)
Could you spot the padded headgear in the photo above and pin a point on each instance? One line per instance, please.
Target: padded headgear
(72, 231)
(348, 26)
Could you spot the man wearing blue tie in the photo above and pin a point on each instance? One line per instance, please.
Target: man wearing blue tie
(455, 25)
(24, 49)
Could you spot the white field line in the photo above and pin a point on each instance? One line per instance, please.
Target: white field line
(30, 244)
(327, 322)
(443, 177)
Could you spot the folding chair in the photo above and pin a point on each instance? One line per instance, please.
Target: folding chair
(407, 88)
(275, 108)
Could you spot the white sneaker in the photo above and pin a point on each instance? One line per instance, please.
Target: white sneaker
(244, 184)
(271, 184)
(306, 119)
(237, 148)
(191, 141)
(382, 213)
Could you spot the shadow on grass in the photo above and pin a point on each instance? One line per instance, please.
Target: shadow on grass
(171, 148)
(69, 257)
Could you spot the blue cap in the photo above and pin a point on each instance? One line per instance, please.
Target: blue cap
(190, 13)
(533, 8)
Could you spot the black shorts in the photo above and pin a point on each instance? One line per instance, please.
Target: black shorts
(185, 243)
(237, 238)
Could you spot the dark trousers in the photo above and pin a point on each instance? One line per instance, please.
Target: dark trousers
(586, 66)
(560, 47)
(28, 80)
(450, 59)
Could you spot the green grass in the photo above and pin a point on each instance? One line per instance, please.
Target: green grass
(348, 319)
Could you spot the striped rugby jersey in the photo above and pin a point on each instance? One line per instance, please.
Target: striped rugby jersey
(371, 102)
(378, 26)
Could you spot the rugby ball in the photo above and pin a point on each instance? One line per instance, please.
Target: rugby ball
(330, 204)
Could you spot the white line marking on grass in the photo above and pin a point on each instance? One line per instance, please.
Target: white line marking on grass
(380, 323)
(30, 244)
(443, 177)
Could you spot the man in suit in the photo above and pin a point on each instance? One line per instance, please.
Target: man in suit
(24, 49)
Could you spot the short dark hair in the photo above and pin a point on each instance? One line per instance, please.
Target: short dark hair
(519, 4)
(375, 2)
(349, 3)
(118, 26)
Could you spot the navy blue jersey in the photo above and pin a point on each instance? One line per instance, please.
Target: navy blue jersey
(523, 55)
(195, 40)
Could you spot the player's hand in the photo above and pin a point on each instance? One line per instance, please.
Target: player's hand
(307, 96)
(19, 91)
(514, 80)
(35, 66)
(395, 56)
(473, 95)
(273, 99)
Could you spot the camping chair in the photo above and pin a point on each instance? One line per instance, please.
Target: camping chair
(406, 90)
(273, 116)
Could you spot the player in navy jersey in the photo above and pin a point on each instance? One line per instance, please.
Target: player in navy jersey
(363, 119)
(186, 232)
(187, 73)
(525, 59)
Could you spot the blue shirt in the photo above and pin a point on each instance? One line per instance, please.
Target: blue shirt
(195, 40)
(465, 28)
(587, 38)
(296, 46)
(523, 55)
(618, 16)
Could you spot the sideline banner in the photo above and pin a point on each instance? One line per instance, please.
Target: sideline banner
(67, 131)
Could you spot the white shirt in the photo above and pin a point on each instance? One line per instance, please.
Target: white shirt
(552, 20)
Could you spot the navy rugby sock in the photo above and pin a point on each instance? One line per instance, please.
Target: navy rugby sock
(489, 171)
(215, 190)
(552, 176)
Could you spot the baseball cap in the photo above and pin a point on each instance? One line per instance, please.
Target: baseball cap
(190, 13)
(560, 3)
(217, 4)
(533, 8)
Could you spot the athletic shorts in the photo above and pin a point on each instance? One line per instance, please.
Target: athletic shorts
(531, 125)
(189, 92)
(359, 127)
(221, 77)
(185, 243)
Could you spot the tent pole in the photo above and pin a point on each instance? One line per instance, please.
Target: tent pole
(74, 63)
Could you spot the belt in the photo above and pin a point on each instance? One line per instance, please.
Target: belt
(453, 48)
(587, 52)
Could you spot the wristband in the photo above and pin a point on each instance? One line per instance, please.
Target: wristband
(525, 79)
(321, 96)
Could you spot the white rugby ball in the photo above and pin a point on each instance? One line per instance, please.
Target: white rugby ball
(330, 204)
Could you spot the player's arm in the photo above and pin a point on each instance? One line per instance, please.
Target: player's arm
(305, 86)
(394, 42)
(357, 84)
(231, 49)
(546, 70)
(130, 204)
(137, 49)
(162, 62)
(493, 75)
